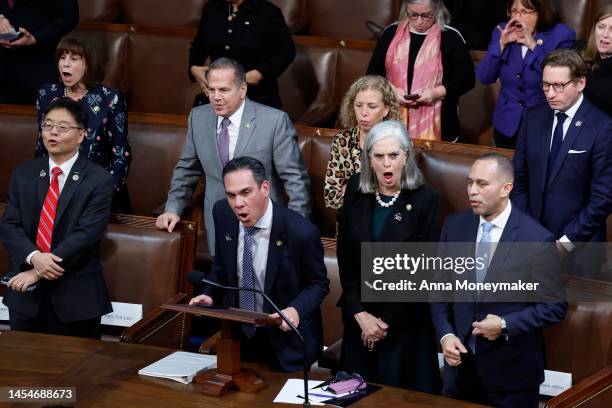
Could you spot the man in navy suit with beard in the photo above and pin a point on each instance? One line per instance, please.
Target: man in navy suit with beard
(493, 346)
(56, 215)
(263, 245)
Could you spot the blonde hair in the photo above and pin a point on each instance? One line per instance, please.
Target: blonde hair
(365, 83)
(590, 54)
(442, 16)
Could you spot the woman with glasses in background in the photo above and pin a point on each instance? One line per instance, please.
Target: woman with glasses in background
(515, 56)
(81, 72)
(429, 66)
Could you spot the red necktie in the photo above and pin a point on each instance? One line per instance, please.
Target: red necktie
(11, 3)
(47, 215)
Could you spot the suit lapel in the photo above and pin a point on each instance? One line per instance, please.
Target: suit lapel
(230, 238)
(501, 251)
(210, 143)
(396, 227)
(544, 147)
(42, 181)
(570, 137)
(77, 174)
(275, 248)
(531, 56)
(247, 126)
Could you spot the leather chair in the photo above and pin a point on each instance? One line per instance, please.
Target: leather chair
(307, 85)
(576, 14)
(156, 69)
(99, 11)
(295, 14)
(356, 19)
(163, 13)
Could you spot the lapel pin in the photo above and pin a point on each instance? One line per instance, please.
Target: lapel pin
(42, 174)
(279, 243)
(397, 217)
(409, 207)
(247, 23)
(96, 109)
(540, 41)
(579, 123)
(75, 177)
(248, 125)
(228, 238)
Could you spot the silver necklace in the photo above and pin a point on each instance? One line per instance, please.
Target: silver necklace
(390, 203)
(66, 93)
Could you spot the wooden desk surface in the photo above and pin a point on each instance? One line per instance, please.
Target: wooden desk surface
(105, 374)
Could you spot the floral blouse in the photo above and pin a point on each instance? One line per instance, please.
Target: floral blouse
(344, 161)
(106, 142)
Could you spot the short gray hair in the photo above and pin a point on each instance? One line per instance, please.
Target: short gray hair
(411, 177)
(505, 169)
(228, 63)
(442, 16)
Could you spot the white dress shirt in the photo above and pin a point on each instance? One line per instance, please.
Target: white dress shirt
(66, 167)
(233, 129)
(259, 250)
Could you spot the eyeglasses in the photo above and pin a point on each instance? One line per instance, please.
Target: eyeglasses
(415, 16)
(522, 13)
(62, 127)
(557, 87)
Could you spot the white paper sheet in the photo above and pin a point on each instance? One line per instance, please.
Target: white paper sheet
(555, 382)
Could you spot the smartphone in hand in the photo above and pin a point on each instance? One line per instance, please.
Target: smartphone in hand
(412, 97)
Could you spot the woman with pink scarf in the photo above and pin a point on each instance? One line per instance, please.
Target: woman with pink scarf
(429, 66)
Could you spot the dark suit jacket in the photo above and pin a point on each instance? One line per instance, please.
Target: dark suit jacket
(419, 213)
(82, 215)
(516, 363)
(577, 198)
(48, 21)
(295, 276)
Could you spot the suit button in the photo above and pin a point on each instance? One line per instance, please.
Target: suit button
(519, 75)
(229, 30)
(227, 47)
(520, 103)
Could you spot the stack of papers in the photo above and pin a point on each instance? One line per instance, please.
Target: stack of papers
(293, 393)
(180, 366)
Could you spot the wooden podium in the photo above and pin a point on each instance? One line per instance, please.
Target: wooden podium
(228, 373)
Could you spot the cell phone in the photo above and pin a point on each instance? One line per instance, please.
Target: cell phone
(19, 35)
(412, 97)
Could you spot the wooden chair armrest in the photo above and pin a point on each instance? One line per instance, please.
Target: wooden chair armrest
(152, 321)
(591, 387)
(210, 345)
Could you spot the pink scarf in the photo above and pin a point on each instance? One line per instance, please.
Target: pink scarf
(423, 122)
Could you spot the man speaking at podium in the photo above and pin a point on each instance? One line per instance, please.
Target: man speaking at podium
(262, 245)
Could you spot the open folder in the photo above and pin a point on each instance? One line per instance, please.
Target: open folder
(180, 366)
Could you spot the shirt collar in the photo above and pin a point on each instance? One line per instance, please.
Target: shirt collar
(501, 220)
(265, 221)
(235, 117)
(66, 166)
(571, 112)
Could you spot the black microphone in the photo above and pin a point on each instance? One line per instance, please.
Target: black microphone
(197, 277)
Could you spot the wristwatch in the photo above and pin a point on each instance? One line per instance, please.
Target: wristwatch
(504, 328)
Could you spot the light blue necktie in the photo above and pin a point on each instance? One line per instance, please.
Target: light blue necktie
(247, 298)
(484, 252)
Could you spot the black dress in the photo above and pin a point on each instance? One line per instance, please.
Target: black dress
(457, 66)
(407, 356)
(258, 38)
(598, 88)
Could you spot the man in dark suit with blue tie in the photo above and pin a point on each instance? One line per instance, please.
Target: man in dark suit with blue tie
(268, 247)
(494, 349)
(563, 159)
(56, 214)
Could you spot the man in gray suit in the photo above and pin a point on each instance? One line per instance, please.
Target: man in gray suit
(231, 126)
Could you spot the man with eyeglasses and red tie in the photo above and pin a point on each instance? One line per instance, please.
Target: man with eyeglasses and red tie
(563, 164)
(57, 211)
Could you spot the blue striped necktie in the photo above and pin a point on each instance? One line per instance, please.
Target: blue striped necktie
(247, 298)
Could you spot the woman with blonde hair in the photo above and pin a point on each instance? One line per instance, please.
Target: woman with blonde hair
(598, 55)
(429, 66)
(368, 101)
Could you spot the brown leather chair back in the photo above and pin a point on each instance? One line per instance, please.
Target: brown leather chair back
(307, 85)
(99, 11)
(18, 132)
(576, 14)
(157, 142)
(163, 13)
(349, 19)
(330, 313)
(295, 14)
(112, 41)
(157, 71)
(353, 59)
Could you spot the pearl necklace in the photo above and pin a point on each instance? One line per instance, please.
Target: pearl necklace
(66, 93)
(390, 203)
